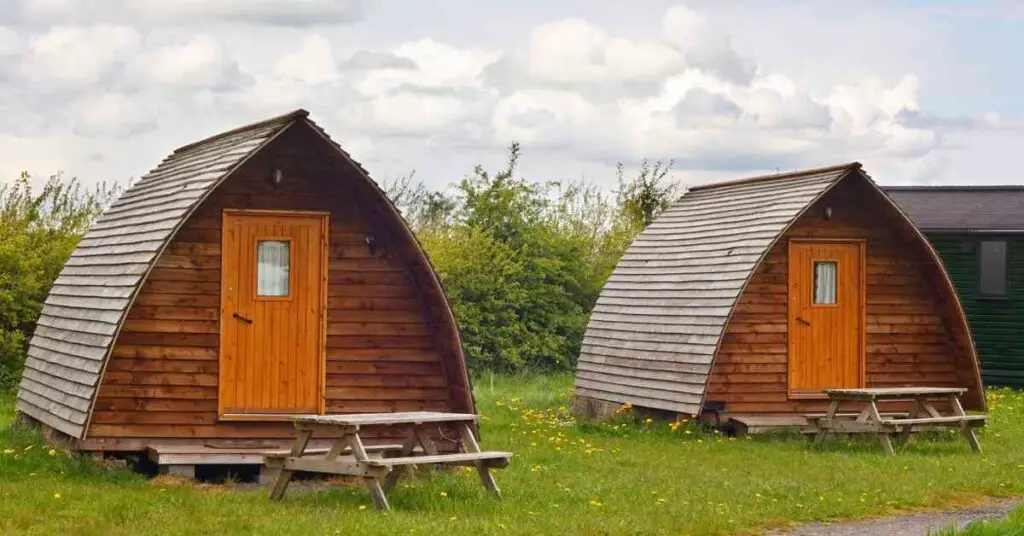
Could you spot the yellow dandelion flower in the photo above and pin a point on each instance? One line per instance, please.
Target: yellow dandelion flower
(444, 493)
(56, 495)
(8, 451)
(53, 452)
(501, 526)
(648, 420)
(362, 507)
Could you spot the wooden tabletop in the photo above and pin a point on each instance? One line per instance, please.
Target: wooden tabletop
(385, 419)
(879, 393)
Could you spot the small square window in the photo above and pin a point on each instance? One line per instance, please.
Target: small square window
(825, 274)
(992, 258)
(273, 262)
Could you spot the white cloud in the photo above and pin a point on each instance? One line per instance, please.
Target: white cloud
(112, 115)
(582, 92)
(312, 62)
(436, 65)
(74, 56)
(369, 60)
(705, 46)
(271, 12)
(198, 62)
(576, 52)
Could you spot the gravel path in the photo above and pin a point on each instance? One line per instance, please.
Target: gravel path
(918, 524)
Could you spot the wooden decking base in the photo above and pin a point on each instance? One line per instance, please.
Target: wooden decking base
(760, 423)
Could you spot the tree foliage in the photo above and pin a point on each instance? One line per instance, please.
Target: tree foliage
(523, 262)
(38, 232)
(647, 194)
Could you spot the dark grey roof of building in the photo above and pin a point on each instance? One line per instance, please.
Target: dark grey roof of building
(962, 208)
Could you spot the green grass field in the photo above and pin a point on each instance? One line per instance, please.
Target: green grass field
(1013, 525)
(566, 478)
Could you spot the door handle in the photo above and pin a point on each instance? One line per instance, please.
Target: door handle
(242, 318)
(802, 321)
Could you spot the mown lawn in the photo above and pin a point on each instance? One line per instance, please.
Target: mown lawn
(566, 478)
(1012, 525)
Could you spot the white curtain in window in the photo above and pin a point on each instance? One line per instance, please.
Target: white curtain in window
(272, 268)
(825, 282)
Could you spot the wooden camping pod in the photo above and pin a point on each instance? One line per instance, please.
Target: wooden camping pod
(757, 294)
(157, 329)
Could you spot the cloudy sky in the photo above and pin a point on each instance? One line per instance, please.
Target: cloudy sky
(919, 91)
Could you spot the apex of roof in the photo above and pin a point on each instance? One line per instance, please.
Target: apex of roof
(828, 170)
(273, 121)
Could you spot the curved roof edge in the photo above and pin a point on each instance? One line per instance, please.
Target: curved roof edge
(653, 335)
(89, 301)
(656, 330)
(949, 289)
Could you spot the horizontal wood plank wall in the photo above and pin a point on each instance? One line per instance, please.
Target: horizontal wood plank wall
(907, 332)
(382, 354)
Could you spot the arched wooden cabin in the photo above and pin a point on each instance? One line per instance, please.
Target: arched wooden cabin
(755, 295)
(253, 274)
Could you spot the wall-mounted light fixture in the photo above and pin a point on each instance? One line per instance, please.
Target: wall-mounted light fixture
(276, 176)
(828, 213)
(370, 240)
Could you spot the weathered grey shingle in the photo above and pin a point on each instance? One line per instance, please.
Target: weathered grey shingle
(656, 327)
(90, 299)
(88, 302)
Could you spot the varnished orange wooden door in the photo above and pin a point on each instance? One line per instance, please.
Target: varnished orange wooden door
(826, 311)
(272, 313)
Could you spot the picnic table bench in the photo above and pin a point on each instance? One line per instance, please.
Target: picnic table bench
(349, 456)
(871, 421)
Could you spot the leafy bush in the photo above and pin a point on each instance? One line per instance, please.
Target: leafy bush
(38, 232)
(524, 262)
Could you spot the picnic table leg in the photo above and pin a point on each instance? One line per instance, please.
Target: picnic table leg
(469, 443)
(428, 444)
(883, 438)
(285, 476)
(380, 499)
(396, 473)
(833, 407)
(919, 405)
(965, 427)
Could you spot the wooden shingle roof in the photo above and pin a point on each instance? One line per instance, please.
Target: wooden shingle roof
(89, 300)
(653, 334)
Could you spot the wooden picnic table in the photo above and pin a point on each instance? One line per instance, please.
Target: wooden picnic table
(349, 456)
(871, 421)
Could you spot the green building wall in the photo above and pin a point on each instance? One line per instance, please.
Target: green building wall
(997, 323)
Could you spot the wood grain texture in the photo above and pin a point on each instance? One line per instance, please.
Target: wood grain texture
(386, 345)
(909, 330)
(271, 350)
(670, 295)
(825, 339)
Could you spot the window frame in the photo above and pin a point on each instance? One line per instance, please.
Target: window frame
(1005, 293)
(256, 265)
(814, 282)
